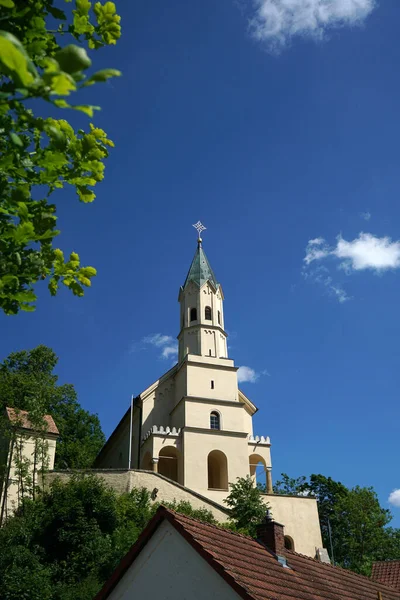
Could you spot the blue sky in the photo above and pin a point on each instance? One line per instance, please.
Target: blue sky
(280, 132)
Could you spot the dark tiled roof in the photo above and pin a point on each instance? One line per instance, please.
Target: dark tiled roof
(253, 571)
(387, 572)
(21, 419)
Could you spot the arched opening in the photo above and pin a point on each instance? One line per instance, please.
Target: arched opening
(208, 313)
(289, 543)
(147, 462)
(217, 470)
(258, 470)
(168, 462)
(215, 419)
(193, 314)
(219, 317)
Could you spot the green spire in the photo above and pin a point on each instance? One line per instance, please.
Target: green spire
(200, 270)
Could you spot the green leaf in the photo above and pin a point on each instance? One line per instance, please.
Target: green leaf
(62, 84)
(27, 307)
(72, 58)
(7, 3)
(86, 108)
(24, 233)
(85, 195)
(16, 140)
(56, 135)
(56, 13)
(26, 296)
(49, 234)
(62, 103)
(9, 279)
(14, 60)
(23, 212)
(103, 75)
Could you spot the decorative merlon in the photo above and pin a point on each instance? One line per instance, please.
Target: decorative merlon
(171, 431)
(259, 439)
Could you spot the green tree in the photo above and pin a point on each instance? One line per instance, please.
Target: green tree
(40, 154)
(185, 508)
(27, 382)
(67, 542)
(359, 530)
(246, 505)
(357, 522)
(291, 486)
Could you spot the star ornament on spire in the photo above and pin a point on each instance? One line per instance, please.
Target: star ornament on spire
(200, 228)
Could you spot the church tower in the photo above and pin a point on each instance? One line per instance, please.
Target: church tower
(201, 311)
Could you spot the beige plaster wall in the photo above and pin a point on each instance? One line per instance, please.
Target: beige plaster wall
(231, 417)
(198, 445)
(158, 404)
(116, 455)
(199, 381)
(10, 492)
(169, 568)
(299, 515)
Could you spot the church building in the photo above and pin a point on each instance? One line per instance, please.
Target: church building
(194, 426)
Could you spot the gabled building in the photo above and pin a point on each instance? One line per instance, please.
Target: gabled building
(180, 558)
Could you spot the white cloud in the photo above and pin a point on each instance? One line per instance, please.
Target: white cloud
(366, 215)
(366, 252)
(247, 374)
(275, 22)
(394, 498)
(170, 351)
(166, 343)
(157, 339)
(316, 249)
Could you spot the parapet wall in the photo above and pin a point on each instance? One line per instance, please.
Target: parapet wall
(167, 491)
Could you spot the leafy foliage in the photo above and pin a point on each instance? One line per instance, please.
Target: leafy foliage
(185, 508)
(246, 504)
(358, 523)
(27, 382)
(40, 155)
(67, 542)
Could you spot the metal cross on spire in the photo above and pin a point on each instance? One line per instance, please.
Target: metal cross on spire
(200, 228)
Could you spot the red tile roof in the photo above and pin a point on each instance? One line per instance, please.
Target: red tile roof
(21, 419)
(253, 571)
(387, 572)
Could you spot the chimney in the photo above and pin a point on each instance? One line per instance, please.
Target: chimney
(271, 534)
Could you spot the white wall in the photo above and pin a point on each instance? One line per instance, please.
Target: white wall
(170, 569)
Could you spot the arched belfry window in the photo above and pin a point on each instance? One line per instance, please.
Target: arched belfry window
(193, 314)
(219, 317)
(215, 422)
(208, 314)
